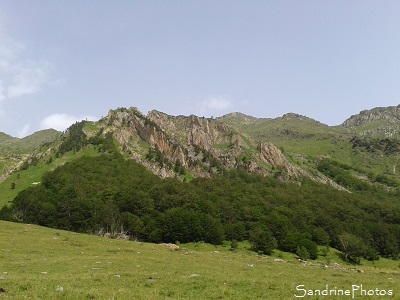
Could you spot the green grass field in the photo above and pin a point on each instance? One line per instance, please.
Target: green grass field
(42, 263)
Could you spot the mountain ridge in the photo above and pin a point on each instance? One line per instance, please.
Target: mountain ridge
(14, 151)
(290, 147)
(29, 142)
(390, 113)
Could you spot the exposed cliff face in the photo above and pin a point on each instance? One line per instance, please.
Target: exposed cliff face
(193, 146)
(193, 130)
(271, 155)
(380, 121)
(136, 135)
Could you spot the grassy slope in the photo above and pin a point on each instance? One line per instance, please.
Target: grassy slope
(12, 145)
(295, 134)
(6, 140)
(36, 261)
(304, 139)
(14, 150)
(24, 179)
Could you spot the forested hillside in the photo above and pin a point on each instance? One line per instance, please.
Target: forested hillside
(118, 196)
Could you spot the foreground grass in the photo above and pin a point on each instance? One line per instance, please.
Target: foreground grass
(42, 263)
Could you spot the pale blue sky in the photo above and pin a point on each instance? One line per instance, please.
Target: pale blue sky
(67, 60)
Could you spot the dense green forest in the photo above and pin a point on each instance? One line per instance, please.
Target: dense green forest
(110, 194)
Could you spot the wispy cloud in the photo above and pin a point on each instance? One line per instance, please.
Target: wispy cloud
(27, 78)
(62, 121)
(215, 104)
(19, 76)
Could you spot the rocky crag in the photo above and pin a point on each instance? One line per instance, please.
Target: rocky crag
(180, 146)
(379, 122)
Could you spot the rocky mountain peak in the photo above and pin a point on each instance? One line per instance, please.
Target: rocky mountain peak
(379, 121)
(389, 114)
(193, 146)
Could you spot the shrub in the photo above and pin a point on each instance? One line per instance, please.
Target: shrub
(302, 253)
(262, 240)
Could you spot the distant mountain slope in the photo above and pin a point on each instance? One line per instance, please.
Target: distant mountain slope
(239, 118)
(14, 151)
(376, 122)
(6, 140)
(289, 125)
(39, 138)
(13, 145)
(366, 146)
(292, 132)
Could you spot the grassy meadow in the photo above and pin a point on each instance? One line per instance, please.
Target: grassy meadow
(43, 263)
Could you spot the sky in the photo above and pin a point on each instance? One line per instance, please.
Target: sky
(64, 61)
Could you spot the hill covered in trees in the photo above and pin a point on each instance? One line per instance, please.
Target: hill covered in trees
(110, 194)
(161, 178)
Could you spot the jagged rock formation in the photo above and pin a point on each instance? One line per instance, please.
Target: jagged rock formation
(191, 146)
(270, 154)
(202, 147)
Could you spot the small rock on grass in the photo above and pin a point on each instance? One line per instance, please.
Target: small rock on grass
(59, 289)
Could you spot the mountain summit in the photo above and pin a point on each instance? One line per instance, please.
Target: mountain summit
(379, 121)
(193, 146)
